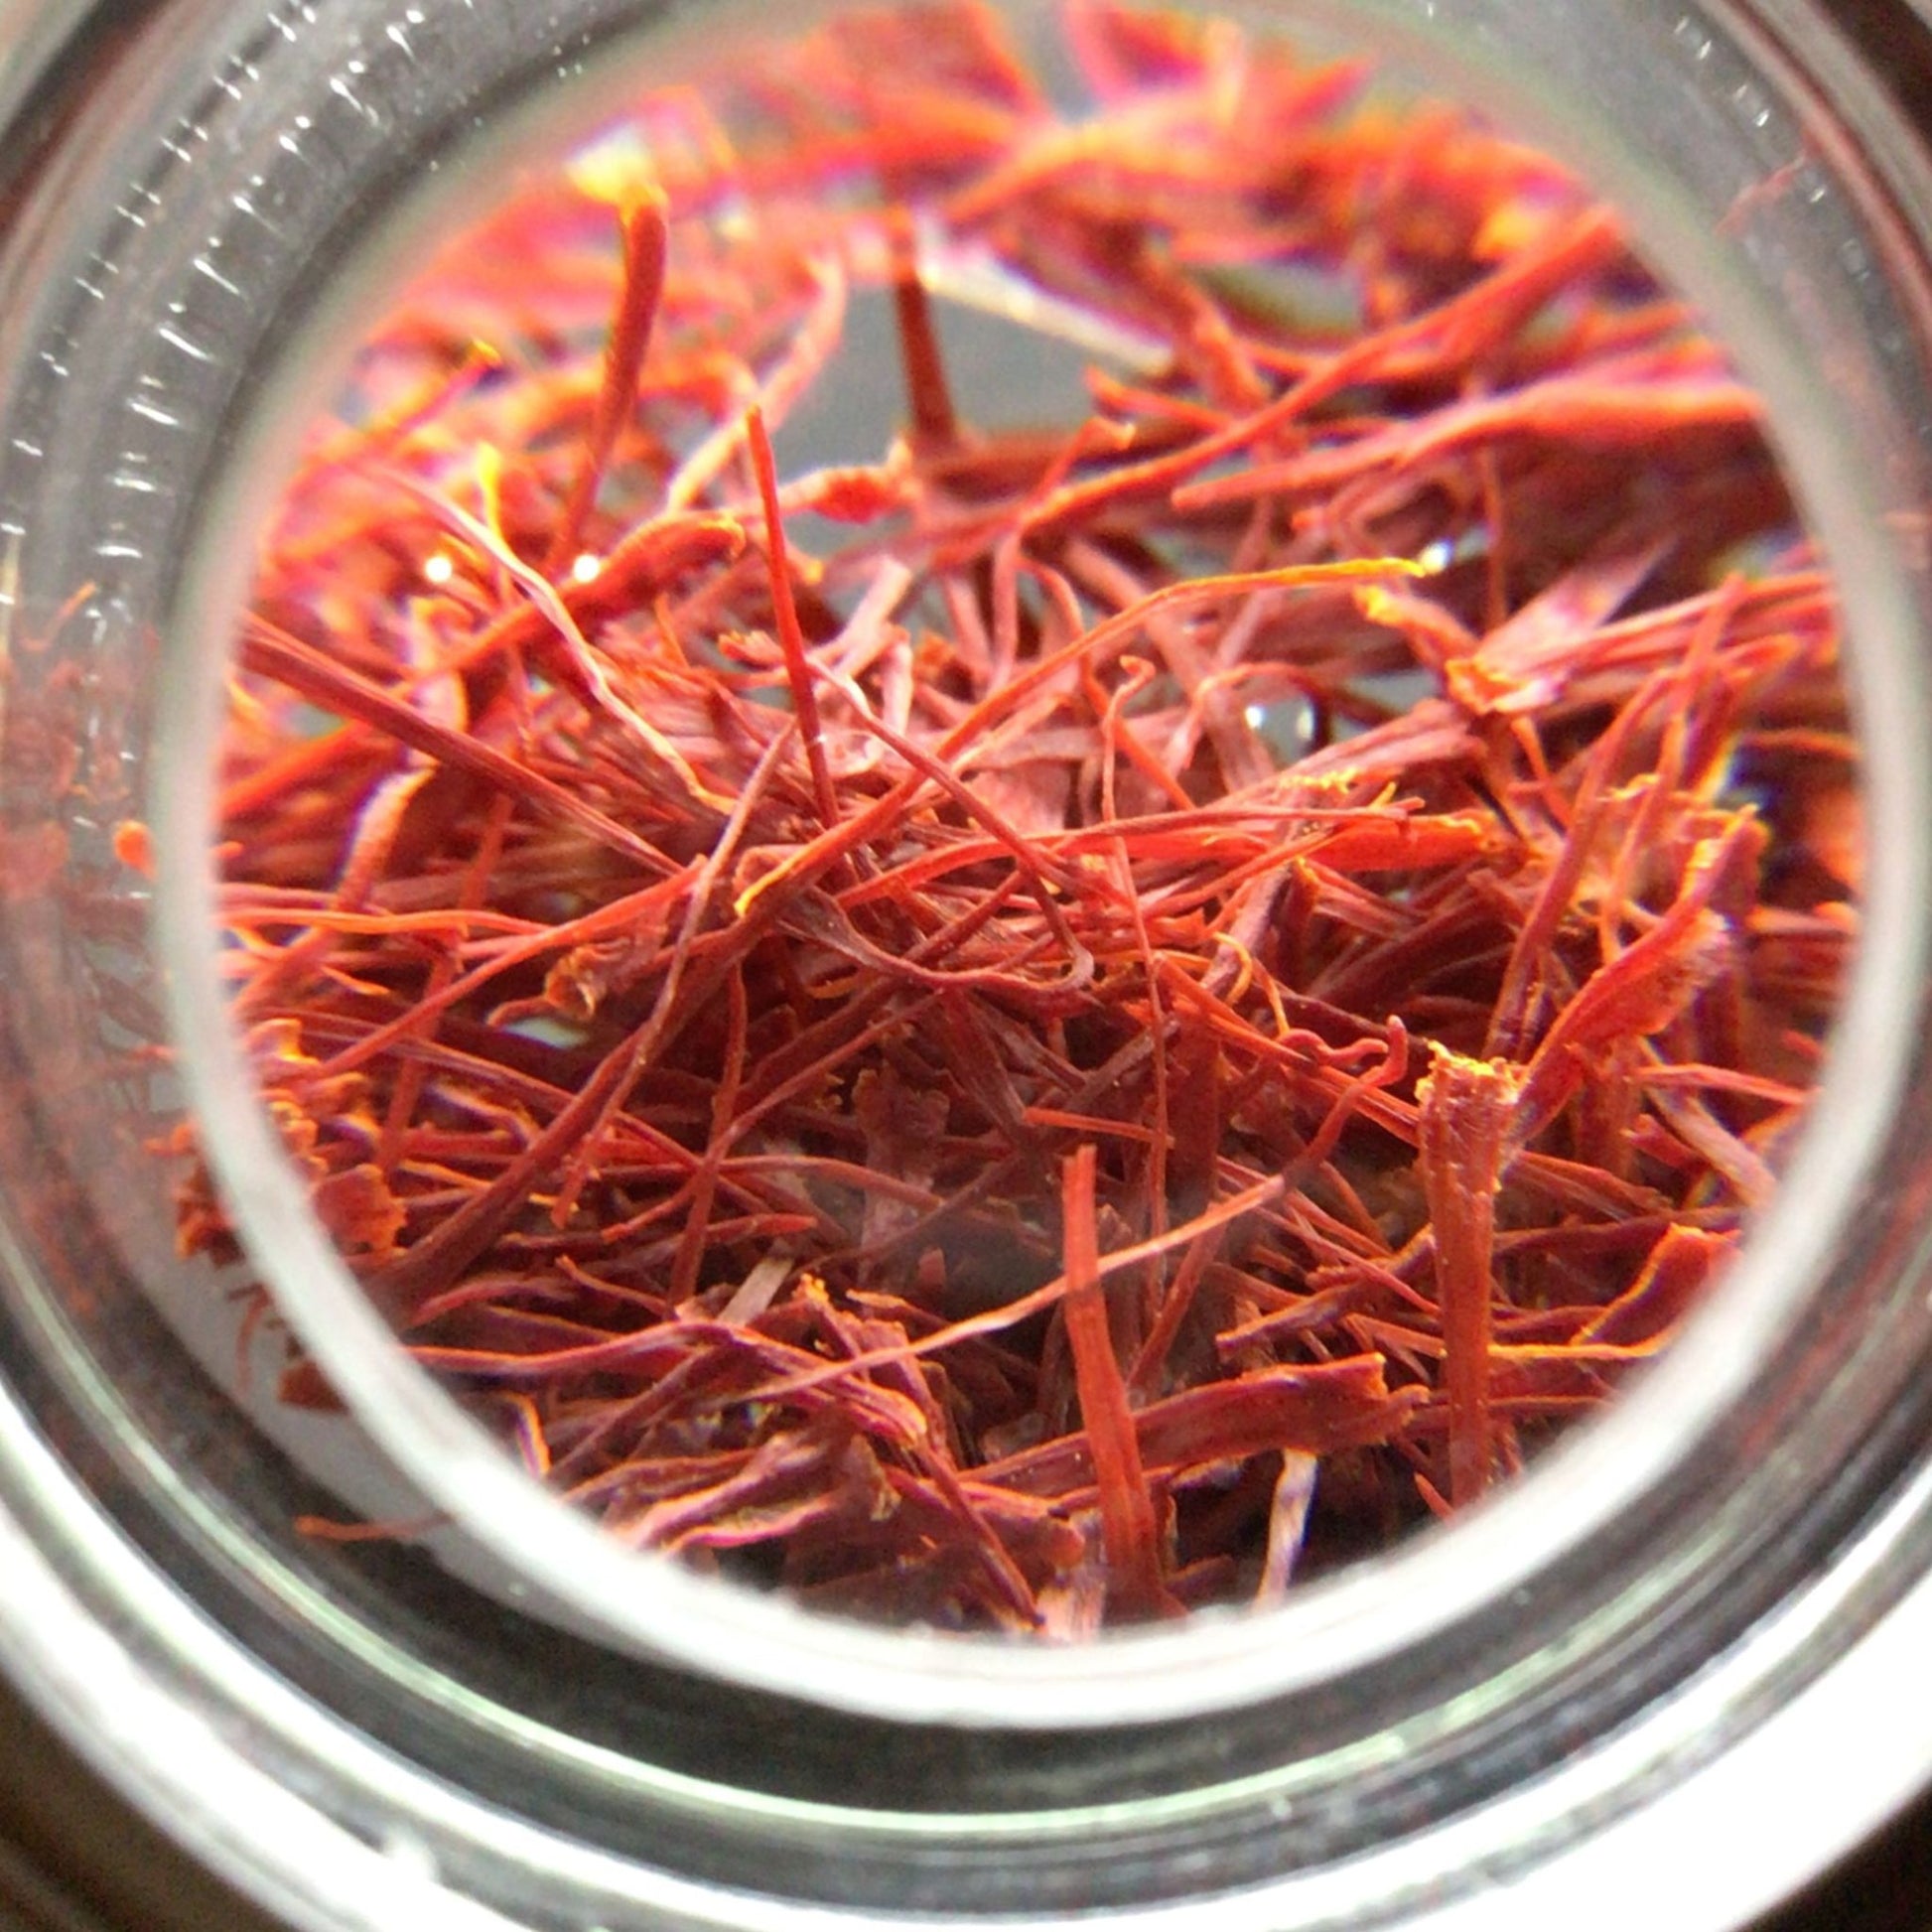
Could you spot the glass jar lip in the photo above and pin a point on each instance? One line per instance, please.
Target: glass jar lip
(648, 1605)
(1217, 1660)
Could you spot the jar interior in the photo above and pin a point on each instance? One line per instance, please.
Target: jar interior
(1470, 649)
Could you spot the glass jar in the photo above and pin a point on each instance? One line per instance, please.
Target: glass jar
(1674, 1675)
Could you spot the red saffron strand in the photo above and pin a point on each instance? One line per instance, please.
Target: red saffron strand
(1467, 1109)
(1125, 1508)
(646, 238)
(791, 638)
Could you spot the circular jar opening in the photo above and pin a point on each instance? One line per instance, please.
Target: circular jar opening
(1022, 817)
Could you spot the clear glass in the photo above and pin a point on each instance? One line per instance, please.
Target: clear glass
(514, 1722)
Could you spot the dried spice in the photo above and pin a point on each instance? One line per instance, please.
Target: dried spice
(1059, 1017)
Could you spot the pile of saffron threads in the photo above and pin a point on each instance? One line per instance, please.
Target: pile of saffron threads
(1062, 1020)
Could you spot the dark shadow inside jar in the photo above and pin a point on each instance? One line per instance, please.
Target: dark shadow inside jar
(1144, 953)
